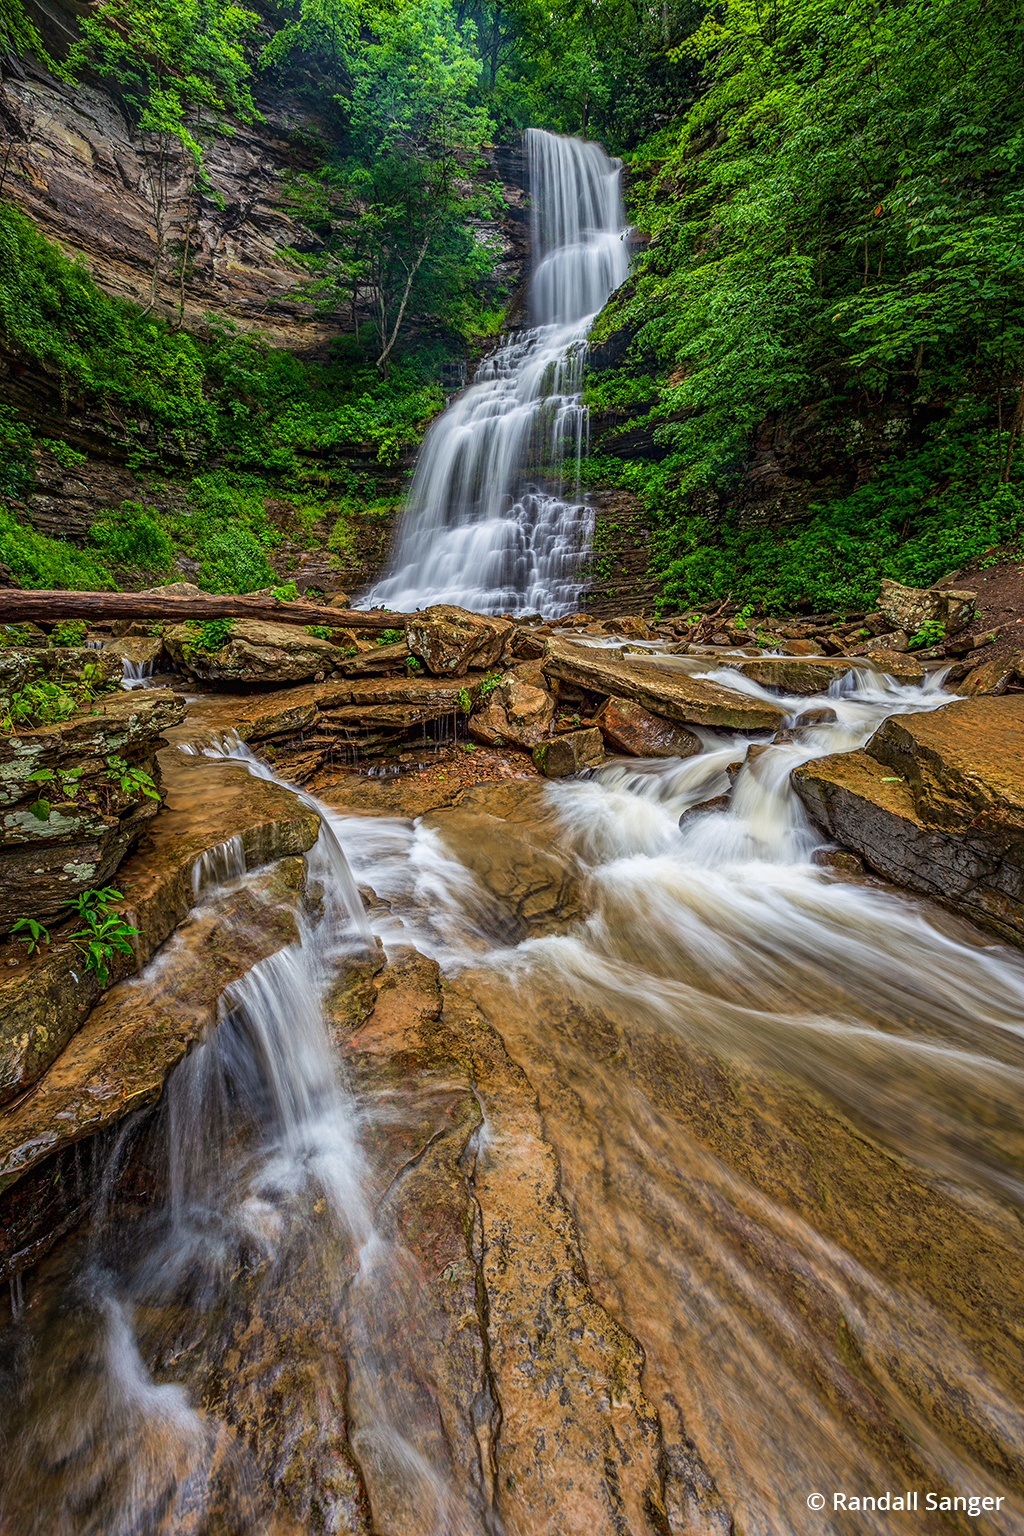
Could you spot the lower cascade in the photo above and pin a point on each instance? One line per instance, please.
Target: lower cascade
(584, 1157)
(494, 521)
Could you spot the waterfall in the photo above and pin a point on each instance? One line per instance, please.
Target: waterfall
(494, 520)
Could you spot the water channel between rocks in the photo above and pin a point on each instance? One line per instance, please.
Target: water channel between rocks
(657, 1216)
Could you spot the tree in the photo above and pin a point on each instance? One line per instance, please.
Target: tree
(182, 70)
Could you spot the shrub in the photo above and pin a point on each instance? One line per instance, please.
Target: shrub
(133, 536)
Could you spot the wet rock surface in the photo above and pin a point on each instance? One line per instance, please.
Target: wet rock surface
(628, 727)
(450, 640)
(935, 803)
(689, 700)
(215, 817)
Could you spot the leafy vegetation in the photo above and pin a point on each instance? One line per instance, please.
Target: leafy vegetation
(104, 934)
(837, 229)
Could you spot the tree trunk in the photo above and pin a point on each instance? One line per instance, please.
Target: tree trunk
(19, 607)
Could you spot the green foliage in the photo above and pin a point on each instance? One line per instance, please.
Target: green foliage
(464, 702)
(389, 636)
(210, 636)
(69, 632)
(287, 593)
(43, 702)
(105, 932)
(318, 631)
(15, 453)
(65, 782)
(130, 780)
(39, 563)
(932, 632)
(836, 230)
(67, 457)
(27, 931)
(133, 536)
(232, 561)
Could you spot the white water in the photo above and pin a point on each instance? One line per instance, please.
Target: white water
(494, 520)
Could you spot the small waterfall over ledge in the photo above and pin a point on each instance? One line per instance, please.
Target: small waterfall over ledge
(494, 520)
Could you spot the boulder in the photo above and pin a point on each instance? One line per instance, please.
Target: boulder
(534, 886)
(561, 756)
(936, 803)
(908, 608)
(142, 654)
(628, 727)
(676, 695)
(449, 640)
(516, 713)
(68, 832)
(173, 589)
(995, 676)
(255, 651)
(793, 675)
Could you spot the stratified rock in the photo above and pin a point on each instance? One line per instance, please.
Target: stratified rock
(561, 756)
(450, 640)
(120, 1057)
(515, 714)
(908, 608)
(691, 700)
(69, 833)
(255, 651)
(799, 675)
(57, 664)
(383, 659)
(936, 803)
(216, 817)
(628, 727)
(993, 676)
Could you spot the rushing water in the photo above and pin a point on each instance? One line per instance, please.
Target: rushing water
(728, 1015)
(494, 520)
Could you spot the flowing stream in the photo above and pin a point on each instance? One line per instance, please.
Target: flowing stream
(494, 521)
(267, 1288)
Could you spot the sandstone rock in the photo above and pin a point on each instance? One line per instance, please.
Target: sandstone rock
(450, 640)
(993, 676)
(339, 600)
(908, 608)
(68, 833)
(793, 676)
(631, 728)
(527, 645)
(515, 713)
(119, 1058)
(383, 659)
(214, 812)
(55, 664)
(936, 803)
(820, 714)
(173, 589)
(535, 887)
(906, 668)
(570, 753)
(675, 695)
(254, 652)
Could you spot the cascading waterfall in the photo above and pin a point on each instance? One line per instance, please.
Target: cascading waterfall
(494, 520)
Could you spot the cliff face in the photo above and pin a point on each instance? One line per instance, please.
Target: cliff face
(74, 165)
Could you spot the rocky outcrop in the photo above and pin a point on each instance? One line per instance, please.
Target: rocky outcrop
(674, 695)
(75, 796)
(253, 651)
(120, 1058)
(910, 608)
(215, 818)
(450, 640)
(935, 803)
(529, 883)
(569, 753)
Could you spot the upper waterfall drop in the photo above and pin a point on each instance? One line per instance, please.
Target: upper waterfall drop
(493, 521)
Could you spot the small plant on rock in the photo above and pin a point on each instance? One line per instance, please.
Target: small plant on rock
(318, 631)
(932, 632)
(389, 637)
(69, 632)
(210, 636)
(105, 932)
(65, 782)
(131, 781)
(286, 593)
(27, 931)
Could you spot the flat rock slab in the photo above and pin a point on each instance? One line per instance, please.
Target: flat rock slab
(929, 818)
(964, 764)
(119, 1059)
(676, 695)
(214, 811)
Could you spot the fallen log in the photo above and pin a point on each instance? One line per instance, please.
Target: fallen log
(100, 607)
